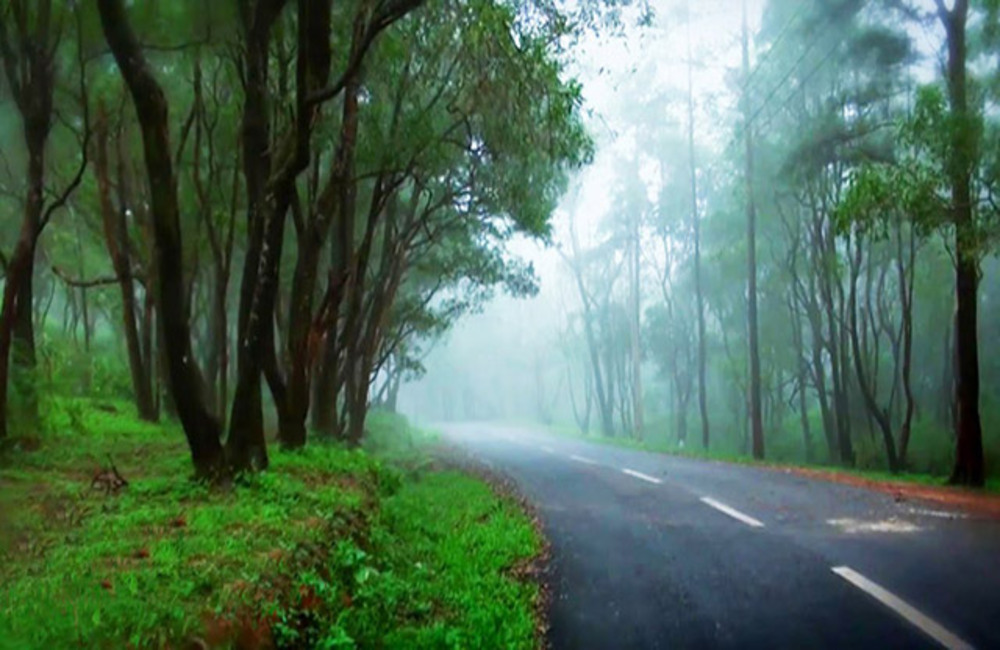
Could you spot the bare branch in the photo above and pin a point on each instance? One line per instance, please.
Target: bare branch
(93, 283)
(85, 144)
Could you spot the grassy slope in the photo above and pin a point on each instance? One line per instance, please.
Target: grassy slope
(329, 548)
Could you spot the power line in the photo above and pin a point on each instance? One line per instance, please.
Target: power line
(805, 80)
(781, 36)
(741, 129)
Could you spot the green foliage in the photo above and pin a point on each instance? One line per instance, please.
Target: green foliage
(448, 579)
(329, 548)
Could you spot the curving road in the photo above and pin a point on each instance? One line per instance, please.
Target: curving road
(655, 551)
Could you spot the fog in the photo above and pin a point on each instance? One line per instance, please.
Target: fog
(827, 91)
(507, 362)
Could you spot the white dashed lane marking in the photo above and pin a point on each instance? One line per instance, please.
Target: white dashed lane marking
(732, 512)
(641, 476)
(582, 459)
(927, 625)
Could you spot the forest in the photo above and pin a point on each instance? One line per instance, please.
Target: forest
(227, 229)
(791, 255)
(827, 268)
(251, 218)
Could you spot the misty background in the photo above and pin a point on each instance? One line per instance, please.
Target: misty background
(828, 84)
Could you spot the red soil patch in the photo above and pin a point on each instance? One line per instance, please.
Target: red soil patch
(981, 504)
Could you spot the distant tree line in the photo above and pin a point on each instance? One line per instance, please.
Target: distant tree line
(819, 287)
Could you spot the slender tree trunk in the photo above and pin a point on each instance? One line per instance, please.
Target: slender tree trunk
(880, 416)
(116, 241)
(757, 426)
(834, 343)
(818, 367)
(149, 350)
(201, 429)
(603, 402)
(218, 366)
(905, 269)
(801, 379)
(392, 396)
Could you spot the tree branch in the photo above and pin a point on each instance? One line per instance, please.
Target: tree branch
(92, 283)
(85, 144)
(391, 11)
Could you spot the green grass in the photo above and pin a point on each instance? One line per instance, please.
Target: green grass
(328, 548)
(664, 446)
(447, 551)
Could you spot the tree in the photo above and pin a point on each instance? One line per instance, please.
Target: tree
(200, 426)
(756, 423)
(969, 468)
(116, 238)
(30, 39)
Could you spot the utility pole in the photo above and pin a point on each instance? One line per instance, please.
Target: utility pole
(756, 425)
(696, 226)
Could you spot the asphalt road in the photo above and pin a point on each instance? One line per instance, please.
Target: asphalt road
(654, 551)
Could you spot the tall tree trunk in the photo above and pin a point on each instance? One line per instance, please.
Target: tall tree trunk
(117, 243)
(13, 304)
(315, 59)
(27, 62)
(756, 423)
(969, 466)
(23, 358)
(267, 205)
(17, 344)
(635, 334)
(343, 274)
(201, 429)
